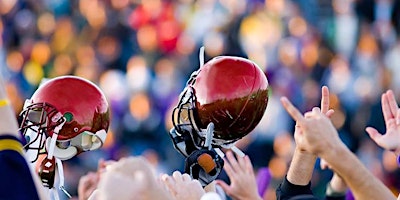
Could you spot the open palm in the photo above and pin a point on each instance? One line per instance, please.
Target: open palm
(391, 113)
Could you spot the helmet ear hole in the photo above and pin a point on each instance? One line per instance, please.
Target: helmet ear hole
(61, 153)
(63, 144)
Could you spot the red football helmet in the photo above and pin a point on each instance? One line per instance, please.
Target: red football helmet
(65, 116)
(231, 92)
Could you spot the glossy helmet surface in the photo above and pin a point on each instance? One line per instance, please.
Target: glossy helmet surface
(71, 107)
(231, 92)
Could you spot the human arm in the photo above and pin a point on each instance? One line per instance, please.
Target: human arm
(298, 177)
(321, 138)
(243, 182)
(13, 165)
(8, 122)
(302, 164)
(336, 188)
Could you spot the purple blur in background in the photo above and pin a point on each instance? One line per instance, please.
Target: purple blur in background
(263, 179)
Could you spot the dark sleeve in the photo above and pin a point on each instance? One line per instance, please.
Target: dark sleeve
(16, 178)
(336, 197)
(287, 190)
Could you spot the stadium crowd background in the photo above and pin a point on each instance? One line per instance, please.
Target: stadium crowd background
(140, 53)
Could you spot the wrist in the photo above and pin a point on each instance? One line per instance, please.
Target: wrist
(330, 155)
(301, 168)
(305, 154)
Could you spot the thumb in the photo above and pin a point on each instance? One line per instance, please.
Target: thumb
(373, 133)
(324, 164)
(224, 186)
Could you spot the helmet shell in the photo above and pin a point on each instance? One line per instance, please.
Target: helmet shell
(232, 93)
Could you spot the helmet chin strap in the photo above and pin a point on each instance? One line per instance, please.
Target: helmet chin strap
(53, 152)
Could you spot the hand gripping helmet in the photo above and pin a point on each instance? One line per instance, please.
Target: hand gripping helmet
(222, 102)
(64, 117)
(230, 92)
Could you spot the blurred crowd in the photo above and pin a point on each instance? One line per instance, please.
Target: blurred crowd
(141, 53)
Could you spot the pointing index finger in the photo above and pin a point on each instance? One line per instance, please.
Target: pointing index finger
(293, 111)
(324, 99)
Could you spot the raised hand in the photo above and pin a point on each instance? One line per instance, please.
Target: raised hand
(321, 138)
(87, 184)
(243, 182)
(317, 132)
(182, 186)
(324, 109)
(391, 113)
(130, 177)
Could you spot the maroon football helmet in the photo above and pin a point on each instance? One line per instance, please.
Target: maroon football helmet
(65, 116)
(230, 92)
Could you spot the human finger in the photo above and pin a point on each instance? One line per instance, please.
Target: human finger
(224, 186)
(177, 176)
(168, 182)
(392, 102)
(329, 113)
(387, 114)
(323, 164)
(316, 110)
(293, 111)
(186, 177)
(241, 161)
(308, 114)
(373, 133)
(233, 162)
(324, 99)
(103, 164)
(398, 117)
(228, 168)
(84, 184)
(248, 165)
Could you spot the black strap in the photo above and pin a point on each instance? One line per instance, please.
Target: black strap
(195, 168)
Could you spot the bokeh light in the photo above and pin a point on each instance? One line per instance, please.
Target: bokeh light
(139, 106)
(15, 61)
(6, 6)
(46, 24)
(33, 72)
(142, 52)
(41, 53)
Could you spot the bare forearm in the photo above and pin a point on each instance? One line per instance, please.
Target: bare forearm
(363, 184)
(301, 168)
